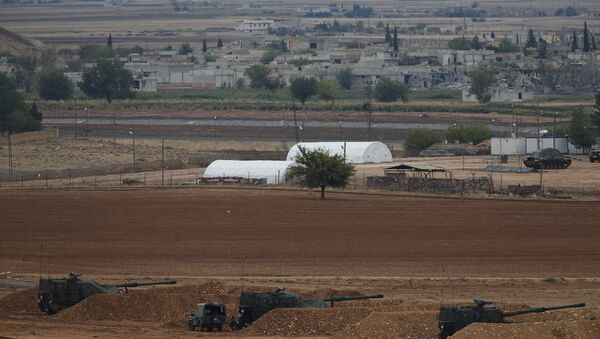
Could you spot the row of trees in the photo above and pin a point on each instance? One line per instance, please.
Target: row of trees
(303, 88)
(15, 117)
(582, 131)
(422, 138)
(588, 40)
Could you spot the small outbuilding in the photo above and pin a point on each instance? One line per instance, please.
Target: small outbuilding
(355, 152)
(274, 172)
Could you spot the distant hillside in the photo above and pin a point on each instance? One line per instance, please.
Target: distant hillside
(16, 43)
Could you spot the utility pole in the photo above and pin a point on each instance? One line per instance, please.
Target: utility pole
(295, 121)
(133, 139)
(76, 125)
(215, 126)
(162, 163)
(367, 105)
(10, 163)
(537, 113)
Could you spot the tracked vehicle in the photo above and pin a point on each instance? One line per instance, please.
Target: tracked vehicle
(57, 294)
(454, 319)
(548, 158)
(254, 305)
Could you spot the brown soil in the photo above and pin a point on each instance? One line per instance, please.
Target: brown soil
(19, 303)
(209, 232)
(415, 250)
(547, 330)
(306, 322)
(393, 325)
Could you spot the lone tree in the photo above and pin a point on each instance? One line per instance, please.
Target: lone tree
(259, 76)
(14, 116)
(107, 79)
(303, 88)
(467, 134)
(345, 77)
(596, 114)
(531, 40)
(388, 36)
(328, 89)
(395, 39)
(482, 80)
(580, 133)
(420, 139)
(109, 41)
(318, 169)
(185, 49)
(54, 85)
(204, 46)
(388, 90)
(586, 38)
(574, 45)
(542, 50)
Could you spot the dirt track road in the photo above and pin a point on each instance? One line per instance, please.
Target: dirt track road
(209, 232)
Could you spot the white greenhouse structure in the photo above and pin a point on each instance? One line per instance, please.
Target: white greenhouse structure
(356, 152)
(273, 171)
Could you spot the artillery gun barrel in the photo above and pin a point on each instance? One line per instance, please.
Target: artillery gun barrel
(360, 297)
(541, 309)
(147, 283)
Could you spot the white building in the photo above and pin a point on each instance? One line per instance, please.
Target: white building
(355, 152)
(254, 25)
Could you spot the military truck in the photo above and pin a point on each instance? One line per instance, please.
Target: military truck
(207, 316)
(548, 158)
(455, 318)
(253, 305)
(57, 294)
(595, 155)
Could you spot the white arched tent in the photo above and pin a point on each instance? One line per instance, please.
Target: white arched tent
(356, 152)
(274, 172)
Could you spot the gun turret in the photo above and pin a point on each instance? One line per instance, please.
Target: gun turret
(346, 298)
(57, 294)
(254, 305)
(453, 319)
(541, 309)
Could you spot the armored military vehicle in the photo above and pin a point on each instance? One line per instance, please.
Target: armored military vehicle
(595, 155)
(57, 294)
(453, 319)
(207, 316)
(254, 305)
(548, 158)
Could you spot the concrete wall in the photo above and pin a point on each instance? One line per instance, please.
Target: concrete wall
(429, 185)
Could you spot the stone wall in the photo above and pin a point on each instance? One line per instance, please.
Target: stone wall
(430, 185)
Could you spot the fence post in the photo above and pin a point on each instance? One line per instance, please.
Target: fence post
(171, 180)
(120, 179)
(21, 181)
(144, 178)
(46, 181)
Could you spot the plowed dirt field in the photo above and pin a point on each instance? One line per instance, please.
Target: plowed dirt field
(417, 250)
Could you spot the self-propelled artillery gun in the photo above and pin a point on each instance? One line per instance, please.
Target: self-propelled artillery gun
(57, 294)
(455, 318)
(253, 305)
